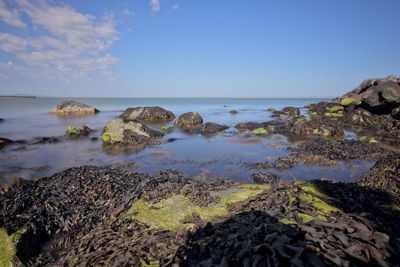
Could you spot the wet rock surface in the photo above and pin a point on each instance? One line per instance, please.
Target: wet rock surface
(78, 131)
(147, 114)
(131, 134)
(70, 107)
(265, 177)
(5, 141)
(189, 120)
(92, 216)
(210, 128)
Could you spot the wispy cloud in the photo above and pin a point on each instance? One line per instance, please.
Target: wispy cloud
(176, 6)
(155, 5)
(74, 46)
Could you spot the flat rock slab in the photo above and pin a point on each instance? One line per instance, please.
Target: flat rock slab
(70, 107)
(147, 114)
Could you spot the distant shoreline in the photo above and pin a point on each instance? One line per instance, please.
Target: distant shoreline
(17, 96)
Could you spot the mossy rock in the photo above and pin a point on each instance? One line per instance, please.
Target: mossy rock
(260, 131)
(233, 111)
(322, 132)
(334, 108)
(114, 131)
(271, 109)
(333, 115)
(189, 120)
(349, 101)
(313, 114)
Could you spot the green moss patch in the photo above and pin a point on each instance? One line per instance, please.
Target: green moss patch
(349, 101)
(330, 114)
(313, 114)
(169, 213)
(8, 249)
(260, 131)
(335, 108)
(271, 109)
(71, 131)
(167, 129)
(233, 111)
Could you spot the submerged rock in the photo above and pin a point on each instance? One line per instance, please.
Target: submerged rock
(1, 119)
(48, 140)
(147, 114)
(5, 141)
(189, 120)
(70, 107)
(78, 132)
(135, 134)
(378, 95)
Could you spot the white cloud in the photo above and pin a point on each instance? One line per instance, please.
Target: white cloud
(10, 16)
(74, 48)
(128, 12)
(176, 6)
(155, 5)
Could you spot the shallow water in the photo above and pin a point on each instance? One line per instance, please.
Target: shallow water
(222, 155)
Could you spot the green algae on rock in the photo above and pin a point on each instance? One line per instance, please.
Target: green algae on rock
(233, 111)
(128, 133)
(271, 109)
(260, 131)
(170, 213)
(8, 247)
(77, 132)
(334, 108)
(350, 101)
(167, 129)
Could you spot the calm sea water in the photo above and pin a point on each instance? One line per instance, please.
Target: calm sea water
(222, 155)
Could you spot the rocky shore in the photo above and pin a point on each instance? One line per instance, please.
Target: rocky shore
(91, 216)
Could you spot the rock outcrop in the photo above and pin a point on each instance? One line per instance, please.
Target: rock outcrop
(70, 107)
(378, 95)
(189, 120)
(130, 134)
(212, 128)
(147, 114)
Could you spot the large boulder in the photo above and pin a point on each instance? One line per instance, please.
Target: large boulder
(117, 132)
(316, 127)
(378, 95)
(147, 114)
(189, 120)
(70, 107)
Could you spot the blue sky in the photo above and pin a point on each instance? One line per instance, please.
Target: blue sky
(193, 48)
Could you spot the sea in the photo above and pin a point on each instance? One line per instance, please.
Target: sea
(224, 155)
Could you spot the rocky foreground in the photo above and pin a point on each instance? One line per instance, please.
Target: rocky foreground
(97, 216)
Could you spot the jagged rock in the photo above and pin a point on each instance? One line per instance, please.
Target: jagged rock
(70, 107)
(130, 133)
(378, 95)
(265, 177)
(189, 120)
(147, 114)
(322, 107)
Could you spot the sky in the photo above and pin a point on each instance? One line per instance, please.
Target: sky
(196, 48)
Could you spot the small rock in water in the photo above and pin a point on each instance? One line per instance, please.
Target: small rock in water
(70, 107)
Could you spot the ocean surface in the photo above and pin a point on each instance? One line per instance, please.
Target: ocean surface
(224, 155)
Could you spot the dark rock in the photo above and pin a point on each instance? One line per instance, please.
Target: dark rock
(316, 127)
(70, 107)
(47, 140)
(378, 95)
(1, 119)
(385, 174)
(265, 177)
(396, 113)
(212, 128)
(248, 126)
(189, 120)
(147, 114)
(321, 107)
(4, 142)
